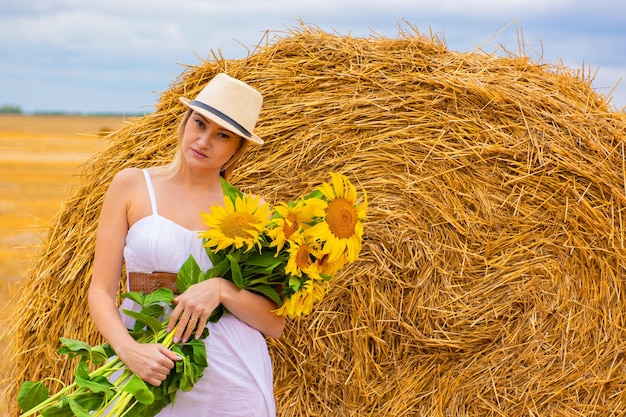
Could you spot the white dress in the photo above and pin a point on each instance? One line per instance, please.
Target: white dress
(238, 380)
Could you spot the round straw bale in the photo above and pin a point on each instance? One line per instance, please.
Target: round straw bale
(491, 280)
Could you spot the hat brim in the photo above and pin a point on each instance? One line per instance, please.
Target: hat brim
(249, 136)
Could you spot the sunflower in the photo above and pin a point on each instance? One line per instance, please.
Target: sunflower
(329, 269)
(341, 229)
(289, 218)
(238, 222)
(302, 256)
(301, 302)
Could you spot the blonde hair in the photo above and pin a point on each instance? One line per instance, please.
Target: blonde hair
(226, 171)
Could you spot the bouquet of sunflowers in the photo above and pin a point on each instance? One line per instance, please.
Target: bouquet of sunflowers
(288, 254)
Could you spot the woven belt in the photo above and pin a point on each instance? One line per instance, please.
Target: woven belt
(146, 282)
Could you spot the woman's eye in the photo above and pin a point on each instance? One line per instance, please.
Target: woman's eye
(199, 123)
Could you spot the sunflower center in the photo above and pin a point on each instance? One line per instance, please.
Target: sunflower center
(237, 225)
(303, 258)
(341, 217)
(290, 225)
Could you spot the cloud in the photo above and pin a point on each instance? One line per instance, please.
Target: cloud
(90, 32)
(132, 48)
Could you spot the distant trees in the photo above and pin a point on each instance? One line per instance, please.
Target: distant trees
(9, 109)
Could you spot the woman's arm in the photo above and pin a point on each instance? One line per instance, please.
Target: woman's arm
(195, 305)
(151, 362)
(253, 309)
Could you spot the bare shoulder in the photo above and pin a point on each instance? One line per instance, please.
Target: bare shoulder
(126, 197)
(125, 184)
(126, 177)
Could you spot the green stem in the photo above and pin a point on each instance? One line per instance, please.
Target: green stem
(121, 399)
(168, 340)
(105, 370)
(50, 401)
(128, 409)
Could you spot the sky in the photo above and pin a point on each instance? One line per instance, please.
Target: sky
(117, 56)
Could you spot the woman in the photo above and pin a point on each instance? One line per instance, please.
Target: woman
(150, 220)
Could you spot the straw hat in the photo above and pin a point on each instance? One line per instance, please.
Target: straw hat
(231, 103)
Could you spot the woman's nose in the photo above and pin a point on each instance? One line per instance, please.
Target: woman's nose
(206, 137)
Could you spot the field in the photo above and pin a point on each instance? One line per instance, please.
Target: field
(39, 156)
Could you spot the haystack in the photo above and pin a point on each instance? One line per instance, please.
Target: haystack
(491, 280)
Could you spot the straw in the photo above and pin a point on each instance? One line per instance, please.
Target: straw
(491, 280)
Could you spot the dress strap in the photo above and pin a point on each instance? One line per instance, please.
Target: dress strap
(150, 191)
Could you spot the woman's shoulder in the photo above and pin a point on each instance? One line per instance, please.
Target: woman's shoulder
(122, 191)
(131, 178)
(126, 177)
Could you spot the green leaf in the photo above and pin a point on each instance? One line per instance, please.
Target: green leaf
(31, 394)
(60, 409)
(155, 310)
(182, 367)
(137, 297)
(91, 400)
(189, 274)
(194, 361)
(82, 370)
(83, 380)
(314, 194)
(76, 348)
(273, 280)
(216, 314)
(235, 271)
(267, 291)
(230, 191)
(191, 376)
(258, 273)
(294, 283)
(77, 409)
(145, 410)
(138, 388)
(219, 269)
(169, 387)
(153, 324)
(73, 348)
(190, 370)
(238, 254)
(264, 259)
(264, 265)
(199, 354)
(161, 295)
(215, 256)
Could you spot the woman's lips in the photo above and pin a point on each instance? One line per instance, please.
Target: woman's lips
(197, 152)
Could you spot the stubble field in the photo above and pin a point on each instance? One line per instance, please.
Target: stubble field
(39, 159)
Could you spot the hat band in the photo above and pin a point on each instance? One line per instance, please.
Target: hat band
(221, 116)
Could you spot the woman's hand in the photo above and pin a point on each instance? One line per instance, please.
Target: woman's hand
(151, 362)
(194, 307)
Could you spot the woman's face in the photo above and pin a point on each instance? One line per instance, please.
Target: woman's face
(205, 144)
